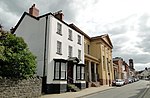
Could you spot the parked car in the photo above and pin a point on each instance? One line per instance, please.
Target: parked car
(126, 81)
(146, 78)
(119, 82)
(135, 79)
(130, 80)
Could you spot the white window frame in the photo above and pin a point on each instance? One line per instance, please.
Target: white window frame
(79, 39)
(70, 34)
(59, 28)
(79, 54)
(70, 51)
(59, 48)
(80, 72)
(60, 69)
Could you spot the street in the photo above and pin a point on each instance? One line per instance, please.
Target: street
(138, 89)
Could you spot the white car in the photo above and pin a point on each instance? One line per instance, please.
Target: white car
(119, 82)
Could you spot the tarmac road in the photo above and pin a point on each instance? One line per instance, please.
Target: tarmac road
(139, 89)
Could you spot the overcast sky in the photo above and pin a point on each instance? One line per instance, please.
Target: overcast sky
(126, 21)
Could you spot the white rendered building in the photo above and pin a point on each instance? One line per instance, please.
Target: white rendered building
(58, 46)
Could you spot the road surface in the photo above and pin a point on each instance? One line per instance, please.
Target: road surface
(139, 89)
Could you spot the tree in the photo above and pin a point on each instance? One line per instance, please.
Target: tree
(16, 61)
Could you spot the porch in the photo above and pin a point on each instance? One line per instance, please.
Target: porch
(91, 74)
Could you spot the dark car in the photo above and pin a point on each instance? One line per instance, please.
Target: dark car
(114, 83)
(126, 81)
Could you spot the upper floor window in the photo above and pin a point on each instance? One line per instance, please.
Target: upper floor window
(79, 54)
(70, 51)
(59, 28)
(104, 62)
(70, 34)
(59, 48)
(88, 49)
(107, 65)
(79, 39)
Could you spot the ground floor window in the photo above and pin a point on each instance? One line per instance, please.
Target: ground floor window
(60, 69)
(80, 72)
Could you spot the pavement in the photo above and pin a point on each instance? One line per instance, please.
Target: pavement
(79, 94)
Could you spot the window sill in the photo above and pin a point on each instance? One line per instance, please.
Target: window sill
(80, 79)
(70, 39)
(59, 33)
(58, 53)
(79, 43)
(59, 79)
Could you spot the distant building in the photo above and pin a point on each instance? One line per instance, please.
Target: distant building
(115, 67)
(119, 62)
(125, 70)
(131, 69)
(145, 74)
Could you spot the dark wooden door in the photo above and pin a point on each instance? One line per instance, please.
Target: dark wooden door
(70, 72)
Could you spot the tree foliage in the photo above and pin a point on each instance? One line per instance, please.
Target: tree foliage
(16, 61)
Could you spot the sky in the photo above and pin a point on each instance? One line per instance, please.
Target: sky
(126, 21)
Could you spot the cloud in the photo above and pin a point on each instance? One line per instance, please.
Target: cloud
(10, 10)
(144, 29)
(128, 26)
(141, 66)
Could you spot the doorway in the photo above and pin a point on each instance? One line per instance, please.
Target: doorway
(70, 72)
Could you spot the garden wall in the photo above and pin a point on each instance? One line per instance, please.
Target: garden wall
(26, 88)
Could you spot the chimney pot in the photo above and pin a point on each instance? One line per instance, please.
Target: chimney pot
(34, 11)
(59, 15)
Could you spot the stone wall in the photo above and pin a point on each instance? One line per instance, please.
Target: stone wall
(30, 88)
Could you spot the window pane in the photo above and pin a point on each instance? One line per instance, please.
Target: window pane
(63, 70)
(79, 39)
(70, 51)
(78, 72)
(70, 34)
(79, 54)
(57, 70)
(82, 72)
(58, 28)
(59, 47)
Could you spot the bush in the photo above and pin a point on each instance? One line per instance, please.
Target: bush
(16, 61)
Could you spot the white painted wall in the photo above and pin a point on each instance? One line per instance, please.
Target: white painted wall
(33, 34)
(53, 38)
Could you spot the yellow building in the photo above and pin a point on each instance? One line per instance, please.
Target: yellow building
(98, 60)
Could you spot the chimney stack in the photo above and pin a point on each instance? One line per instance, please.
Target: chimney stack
(59, 15)
(34, 11)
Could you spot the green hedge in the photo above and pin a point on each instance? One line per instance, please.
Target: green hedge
(16, 61)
